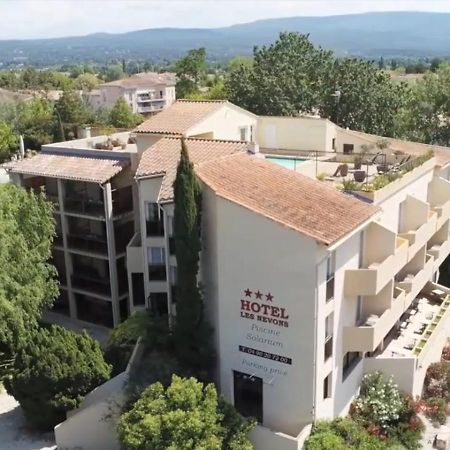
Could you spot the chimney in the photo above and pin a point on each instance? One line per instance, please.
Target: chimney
(253, 148)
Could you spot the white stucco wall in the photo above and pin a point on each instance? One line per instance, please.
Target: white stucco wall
(225, 123)
(251, 252)
(295, 133)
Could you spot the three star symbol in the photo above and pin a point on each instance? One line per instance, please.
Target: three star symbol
(258, 294)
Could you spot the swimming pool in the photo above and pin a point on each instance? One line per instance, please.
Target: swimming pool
(289, 163)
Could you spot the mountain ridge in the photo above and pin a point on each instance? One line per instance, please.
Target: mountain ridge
(370, 35)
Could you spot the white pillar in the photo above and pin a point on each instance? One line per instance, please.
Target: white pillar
(107, 198)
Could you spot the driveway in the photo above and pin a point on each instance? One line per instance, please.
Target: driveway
(14, 434)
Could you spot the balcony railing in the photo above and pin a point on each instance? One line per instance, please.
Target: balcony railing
(86, 206)
(155, 228)
(367, 337)
(370, 280)
(88, 242)
(91, 284)
(419, 237)
(157, 272)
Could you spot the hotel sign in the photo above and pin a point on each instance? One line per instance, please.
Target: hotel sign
(267, 324)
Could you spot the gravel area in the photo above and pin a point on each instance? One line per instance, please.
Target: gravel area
(14, 434)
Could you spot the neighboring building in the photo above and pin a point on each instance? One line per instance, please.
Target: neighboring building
(92, 193)
(146, 93)
(307, 287)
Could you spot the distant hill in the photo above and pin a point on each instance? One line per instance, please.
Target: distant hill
(388, 34)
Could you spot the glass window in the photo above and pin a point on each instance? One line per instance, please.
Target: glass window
(328, 351)
(156, 255)
(151, 211)
(358, 309)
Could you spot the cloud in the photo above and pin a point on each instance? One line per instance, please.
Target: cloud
(21, 19)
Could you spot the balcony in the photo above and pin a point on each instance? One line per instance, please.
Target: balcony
(91, 283)
(134, 254)
(418, 224)
(417, 341)
(384, 255)
(85, 206)
(413, 281)
(90, 243)
(157, 272)
(439, 246)
(367, 337)
(439, 199)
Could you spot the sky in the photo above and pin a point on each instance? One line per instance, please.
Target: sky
(24, 19)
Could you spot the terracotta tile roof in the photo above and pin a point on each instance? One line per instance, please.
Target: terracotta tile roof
(57, 165)
(179, 117)
(442, 154)
(308, 206)
(145, 79)
(162, 158)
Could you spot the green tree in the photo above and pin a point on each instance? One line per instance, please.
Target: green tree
(190, 71)
(53, 372)
(113, 72)
(122, 116)
(292, 77)
(72, 109)
(35, 121)
(27, 281)
(8, 142)
(86, 82)
(191, 332)
(185, 416)
(286, 78)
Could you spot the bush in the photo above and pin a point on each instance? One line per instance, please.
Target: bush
(53, 372)
(187, 415)
(379, 403)
(342, 434)
(437, 410)
(154, 332)
(437, 381)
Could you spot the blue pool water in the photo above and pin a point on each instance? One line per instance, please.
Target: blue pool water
(289, 163)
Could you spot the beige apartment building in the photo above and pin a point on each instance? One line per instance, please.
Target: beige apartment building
(309, 283)
(146, 93)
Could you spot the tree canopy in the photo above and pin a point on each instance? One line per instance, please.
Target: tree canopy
(292, 77)
(8, 142)
(190, 70)
(191, 332)
(186, 416)
(27, 281)
(122, 116)
(53, 371)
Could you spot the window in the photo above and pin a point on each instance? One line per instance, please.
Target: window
(137, 282)
(328, 350)
(157, 255)
(161, 94)
(333, 143)
(330, 276)
(327, 386)
(252, 132)
(154, 219)
(243, 133)
(348, 149)
(350, 361)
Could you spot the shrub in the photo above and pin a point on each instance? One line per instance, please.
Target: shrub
(437, 410)
(53, 371)
(379, 403)
(437, 381)
(342, 434)
(321, 176)
(446, 354)
(187, 415)
(154, 332)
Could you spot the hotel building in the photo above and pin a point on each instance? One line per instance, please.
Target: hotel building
(309, 283)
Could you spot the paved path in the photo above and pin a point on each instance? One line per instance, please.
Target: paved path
(14, 434)
(430, 433)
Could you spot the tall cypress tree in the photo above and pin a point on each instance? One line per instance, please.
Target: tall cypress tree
(191, 332)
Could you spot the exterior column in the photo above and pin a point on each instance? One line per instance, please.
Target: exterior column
(168, 274)
(107, 198)
(67, 257)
